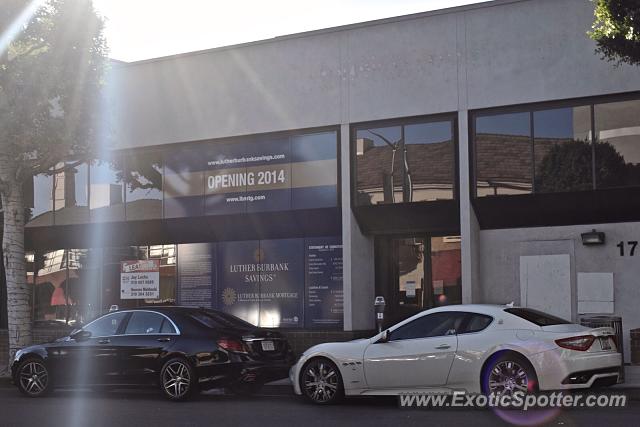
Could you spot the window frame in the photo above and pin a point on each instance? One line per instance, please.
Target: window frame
(131, 316)
(531, 108)
(120, 327)
(452, 117)
(468, 320)
(120, 332)
(463, 314)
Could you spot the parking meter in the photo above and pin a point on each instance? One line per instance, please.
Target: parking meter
(379, 305)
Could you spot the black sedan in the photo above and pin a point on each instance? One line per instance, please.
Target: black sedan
(180, 349)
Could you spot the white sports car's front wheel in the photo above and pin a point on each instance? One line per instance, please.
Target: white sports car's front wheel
(321, 382)
(508, 373)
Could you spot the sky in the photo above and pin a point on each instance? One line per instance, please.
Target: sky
(143, 29)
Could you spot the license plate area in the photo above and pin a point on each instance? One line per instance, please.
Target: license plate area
(605, 344)
(268, 346)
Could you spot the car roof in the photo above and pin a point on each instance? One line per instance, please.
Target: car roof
(491, 309)
(165, 309)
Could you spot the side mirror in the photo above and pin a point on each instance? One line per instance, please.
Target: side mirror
(384, 337)
(80, 335)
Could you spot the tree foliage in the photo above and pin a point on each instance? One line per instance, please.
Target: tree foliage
(50, 79)
(616, 30)
(568, 167)
(52, 58)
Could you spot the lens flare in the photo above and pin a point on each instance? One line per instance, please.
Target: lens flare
(18, 24)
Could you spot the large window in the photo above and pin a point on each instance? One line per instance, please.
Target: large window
(71, 194)
(407, 162)
(144, 175)
(41, 212)
(617, 144)
(107, 190)
(552, 150)
(562, 149)
(232, 176)
(503, 154)
(73, 286)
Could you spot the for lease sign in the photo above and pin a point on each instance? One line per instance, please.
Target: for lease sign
(140, 279)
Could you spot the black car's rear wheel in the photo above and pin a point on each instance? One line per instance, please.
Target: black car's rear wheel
(33, 378)
(177, 379)
(321, 382)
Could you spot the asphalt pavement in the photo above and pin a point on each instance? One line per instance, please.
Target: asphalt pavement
(273, 407)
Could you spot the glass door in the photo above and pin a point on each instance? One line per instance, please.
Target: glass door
(415, 273)
(410, 264)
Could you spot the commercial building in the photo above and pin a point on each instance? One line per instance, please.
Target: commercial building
(451, 156)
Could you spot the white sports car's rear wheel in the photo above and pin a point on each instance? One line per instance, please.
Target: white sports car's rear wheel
(507, 374)
(321, 382)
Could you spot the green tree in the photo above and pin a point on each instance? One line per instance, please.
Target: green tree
(52, 57)
(568, 167)
(616, 30)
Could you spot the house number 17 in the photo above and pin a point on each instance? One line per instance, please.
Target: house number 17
(632, 247)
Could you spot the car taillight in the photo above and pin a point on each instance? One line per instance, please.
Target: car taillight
(581, 343)
(232, 345)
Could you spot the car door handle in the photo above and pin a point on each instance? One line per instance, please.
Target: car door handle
(443, 347)
(164, 339)
(104, 341)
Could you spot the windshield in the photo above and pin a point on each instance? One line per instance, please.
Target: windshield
(536, 317)
(217, 319)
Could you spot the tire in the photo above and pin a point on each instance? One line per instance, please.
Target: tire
(33, 378)
(507, 373)
(177, 379)
(321, 382)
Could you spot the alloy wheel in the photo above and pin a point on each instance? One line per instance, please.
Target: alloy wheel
(176, 379)
(507, 377)
(321, 381)
(34, 378)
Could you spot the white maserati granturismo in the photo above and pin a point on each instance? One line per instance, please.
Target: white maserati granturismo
(475, 348)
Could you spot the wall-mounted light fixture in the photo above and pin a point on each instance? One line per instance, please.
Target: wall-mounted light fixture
(592, 238)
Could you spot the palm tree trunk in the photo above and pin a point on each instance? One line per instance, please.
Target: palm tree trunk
(18, 293)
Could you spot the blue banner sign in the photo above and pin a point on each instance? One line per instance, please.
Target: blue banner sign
(288, 283)
(217, 178)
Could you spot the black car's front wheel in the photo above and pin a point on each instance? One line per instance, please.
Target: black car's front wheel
(33, 378)
(177, 379)
(321, 382)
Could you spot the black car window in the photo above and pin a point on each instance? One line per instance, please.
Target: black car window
(476, 322)
(105, 326)
(167, 328)
(144, 322)
(431, 325)
(536, 317)
(215, 319)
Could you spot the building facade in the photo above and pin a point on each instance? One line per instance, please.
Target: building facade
(453, 156)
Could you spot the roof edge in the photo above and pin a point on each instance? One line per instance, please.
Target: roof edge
(340, 28)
